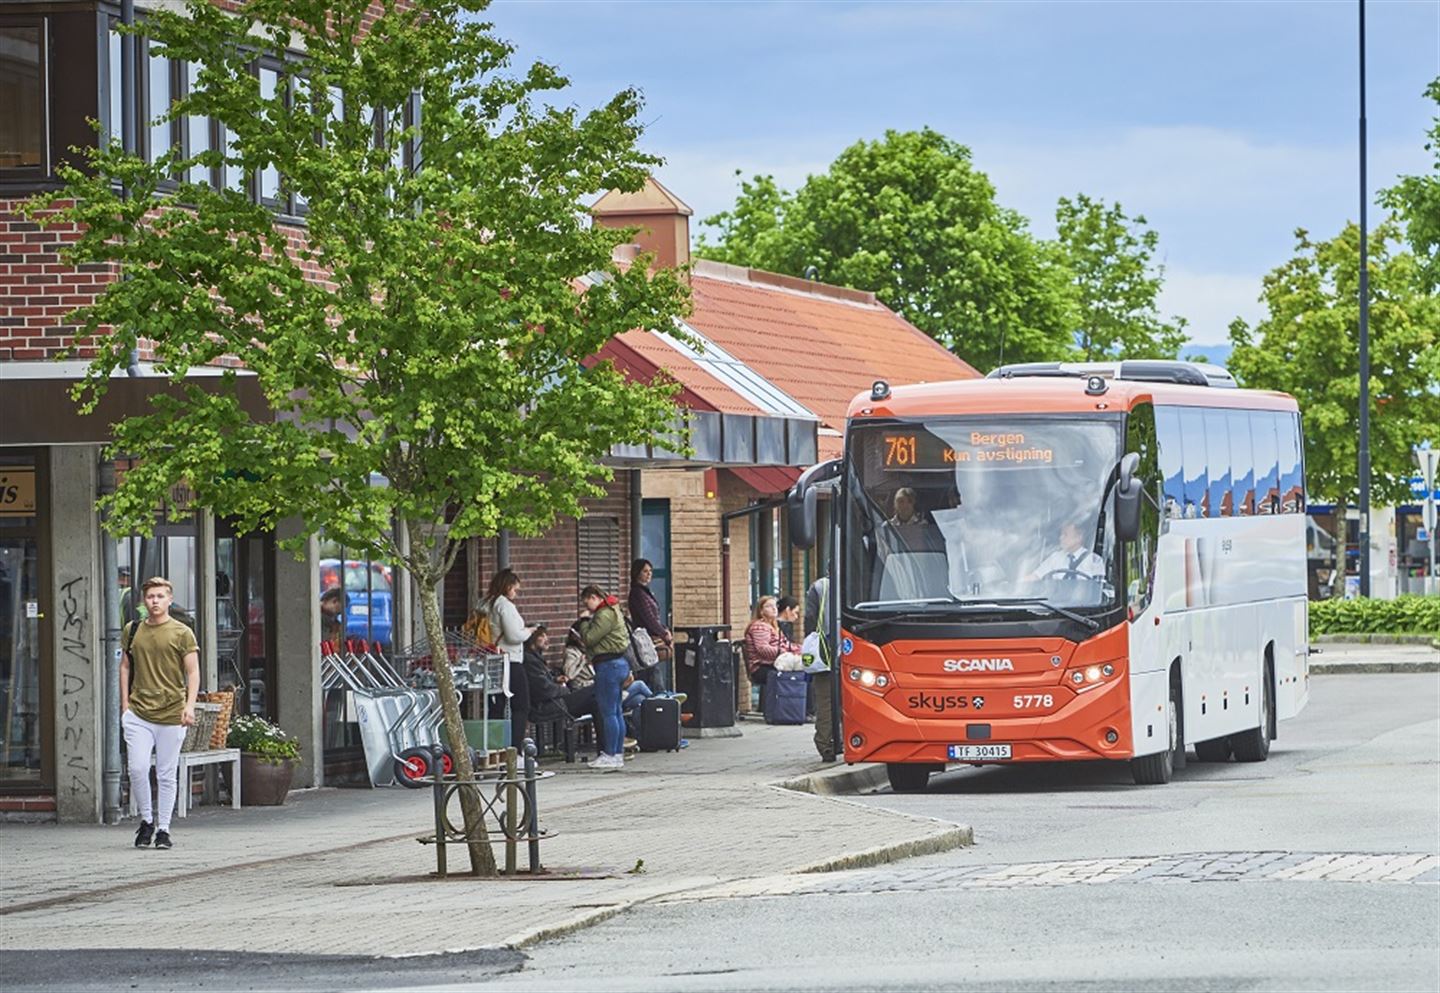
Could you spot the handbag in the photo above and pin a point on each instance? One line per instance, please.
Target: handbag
(642, 649)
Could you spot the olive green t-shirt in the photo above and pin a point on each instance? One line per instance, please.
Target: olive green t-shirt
(157, 670)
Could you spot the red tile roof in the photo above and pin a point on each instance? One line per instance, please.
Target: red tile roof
(819, 344)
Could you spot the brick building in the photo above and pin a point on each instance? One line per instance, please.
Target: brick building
(64, 581)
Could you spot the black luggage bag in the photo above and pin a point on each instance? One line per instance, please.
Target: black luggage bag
(659, 725)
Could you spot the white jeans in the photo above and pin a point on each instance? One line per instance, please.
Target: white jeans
(142, 738)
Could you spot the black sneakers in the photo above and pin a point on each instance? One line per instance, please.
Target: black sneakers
(162, 839)
(145, 833)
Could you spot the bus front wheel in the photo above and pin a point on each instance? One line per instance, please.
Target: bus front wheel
(909, 777)
(1156, 770)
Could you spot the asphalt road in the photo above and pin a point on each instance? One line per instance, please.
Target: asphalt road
(1313, 870)
(1319, 869)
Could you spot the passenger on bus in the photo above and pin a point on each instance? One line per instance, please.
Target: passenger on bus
(1072, 558)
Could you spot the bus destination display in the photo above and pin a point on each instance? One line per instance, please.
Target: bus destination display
(921, 451)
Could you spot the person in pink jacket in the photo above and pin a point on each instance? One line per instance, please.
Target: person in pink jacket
(765, 642)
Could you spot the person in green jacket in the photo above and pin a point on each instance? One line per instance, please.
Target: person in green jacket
(606, 637)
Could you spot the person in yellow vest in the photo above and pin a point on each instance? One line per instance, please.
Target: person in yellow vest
(159, 679)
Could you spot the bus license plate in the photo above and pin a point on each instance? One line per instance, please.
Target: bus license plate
(975, 753)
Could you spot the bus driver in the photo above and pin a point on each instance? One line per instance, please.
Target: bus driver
(1072, 558)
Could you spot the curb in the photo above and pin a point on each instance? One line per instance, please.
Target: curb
(1350, 668)
(1376, 639)
(848, 779)
(959, 836)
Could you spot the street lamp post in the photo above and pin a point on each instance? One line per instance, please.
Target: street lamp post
(1364, 342)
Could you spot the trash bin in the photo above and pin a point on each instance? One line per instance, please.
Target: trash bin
(705, 673)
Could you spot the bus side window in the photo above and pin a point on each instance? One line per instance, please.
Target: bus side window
(1292, 500)
(1172, 461)
(1140, 438)
(1242, 461)
(1218, 458)
(1197, 476)
(1267, 461)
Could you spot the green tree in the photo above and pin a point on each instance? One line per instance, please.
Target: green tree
(1308, 346)
(1417, 200)
(1115, 282)
(447, 351)
(910, 218)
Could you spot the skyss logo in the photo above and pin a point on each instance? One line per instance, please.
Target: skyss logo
(937, 703)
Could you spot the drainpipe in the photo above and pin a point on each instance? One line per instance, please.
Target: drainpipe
(636, 516)
(110, 767)
(128, 134)
(502, 550)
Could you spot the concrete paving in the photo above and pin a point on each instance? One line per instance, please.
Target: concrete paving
(339, 872)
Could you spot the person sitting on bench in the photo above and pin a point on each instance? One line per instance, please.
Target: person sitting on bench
(550, 693)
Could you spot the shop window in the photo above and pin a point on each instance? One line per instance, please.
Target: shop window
(357, 596)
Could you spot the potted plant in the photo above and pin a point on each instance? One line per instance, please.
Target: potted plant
(267, 760)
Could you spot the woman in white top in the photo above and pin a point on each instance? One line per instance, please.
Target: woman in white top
(508, 629)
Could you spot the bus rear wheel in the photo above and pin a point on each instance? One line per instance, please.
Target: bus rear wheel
(1157, 769)
(909, 777)
(1254, 745)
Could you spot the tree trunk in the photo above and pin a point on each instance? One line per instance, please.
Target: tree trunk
(482, 856)
(1342, 549)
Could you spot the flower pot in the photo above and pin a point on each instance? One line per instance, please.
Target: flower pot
(262, 783)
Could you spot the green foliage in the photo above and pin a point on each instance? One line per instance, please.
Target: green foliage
(258, 736)
(1115, 282)
(1409, 614)
(1308, 346)
(910, 218)
(448, 352)
(1416, 199)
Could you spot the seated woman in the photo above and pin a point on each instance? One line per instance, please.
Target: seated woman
(577, 670)
(764, 642)
(548, 692)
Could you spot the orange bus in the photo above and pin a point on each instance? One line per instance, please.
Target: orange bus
(1065, 562)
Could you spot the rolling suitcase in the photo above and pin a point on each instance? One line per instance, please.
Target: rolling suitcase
(659, 725)
(783, 698)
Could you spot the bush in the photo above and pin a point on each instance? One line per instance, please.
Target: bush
(1407, 614)
(259, 737)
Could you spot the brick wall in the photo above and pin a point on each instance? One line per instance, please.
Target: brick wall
(548, 568)
(37, 289)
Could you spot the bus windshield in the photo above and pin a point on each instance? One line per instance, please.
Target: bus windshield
(950, 515)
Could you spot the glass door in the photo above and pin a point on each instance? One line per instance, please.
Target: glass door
(20, 696)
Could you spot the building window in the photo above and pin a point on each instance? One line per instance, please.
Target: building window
(598, 553)
(23, 136)
(159, 94)
(198, 136)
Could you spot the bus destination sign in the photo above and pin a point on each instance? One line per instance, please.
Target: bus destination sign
(923, 451)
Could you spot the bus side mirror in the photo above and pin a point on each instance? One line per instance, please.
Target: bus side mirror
(1127, 499)
(800, 502)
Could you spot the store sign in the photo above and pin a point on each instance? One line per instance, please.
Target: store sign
(17, 491)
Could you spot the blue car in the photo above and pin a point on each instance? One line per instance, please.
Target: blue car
(369, 598)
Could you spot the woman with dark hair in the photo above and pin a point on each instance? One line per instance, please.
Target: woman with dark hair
(603, 633)
(645, 613)
(509, 632)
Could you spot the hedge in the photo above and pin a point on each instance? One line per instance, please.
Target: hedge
(1409, 614)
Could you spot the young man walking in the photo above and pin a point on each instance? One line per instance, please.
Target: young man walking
(156, 705)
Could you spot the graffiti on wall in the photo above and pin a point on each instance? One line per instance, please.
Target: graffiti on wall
(75, 673)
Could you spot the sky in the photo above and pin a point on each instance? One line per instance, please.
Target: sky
(1227, 125)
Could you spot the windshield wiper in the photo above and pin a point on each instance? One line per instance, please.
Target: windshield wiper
(1035, 601)
(909, 615)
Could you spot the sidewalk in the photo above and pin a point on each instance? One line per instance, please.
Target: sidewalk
(339, 871)
(1346, 656)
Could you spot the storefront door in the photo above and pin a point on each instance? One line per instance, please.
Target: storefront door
(25, 746)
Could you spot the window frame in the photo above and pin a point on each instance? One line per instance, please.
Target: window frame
(42, 171)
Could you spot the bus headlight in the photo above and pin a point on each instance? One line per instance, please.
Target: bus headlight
(1092, 674)
(867, 678)
(1077, 678)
